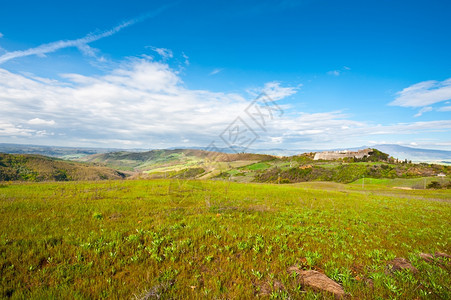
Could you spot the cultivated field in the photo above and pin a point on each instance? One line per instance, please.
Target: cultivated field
(216, 239)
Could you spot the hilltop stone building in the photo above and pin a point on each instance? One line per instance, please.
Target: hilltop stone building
(331, 155)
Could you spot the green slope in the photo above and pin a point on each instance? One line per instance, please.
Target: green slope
(28, 167)
(166, 162)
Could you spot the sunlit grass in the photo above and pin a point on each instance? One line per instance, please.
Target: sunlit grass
(207, 239)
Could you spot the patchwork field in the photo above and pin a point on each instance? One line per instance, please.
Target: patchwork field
(216, 239)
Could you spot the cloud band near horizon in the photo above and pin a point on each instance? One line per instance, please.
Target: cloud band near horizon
(145, 103)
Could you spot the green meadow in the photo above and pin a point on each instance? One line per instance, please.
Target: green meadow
(190, 239)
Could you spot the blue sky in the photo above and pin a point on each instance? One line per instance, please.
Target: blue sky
(157, 74)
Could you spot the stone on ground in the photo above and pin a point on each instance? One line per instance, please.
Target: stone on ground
(318, 281)
(399, 264)
(439, 257)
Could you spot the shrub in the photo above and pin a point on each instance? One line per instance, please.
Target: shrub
(434, 185)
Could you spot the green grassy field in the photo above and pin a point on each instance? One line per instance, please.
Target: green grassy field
(414, 183)
(216, 239)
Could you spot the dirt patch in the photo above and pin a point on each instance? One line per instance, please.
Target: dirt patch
(268, 287)
(115, 216)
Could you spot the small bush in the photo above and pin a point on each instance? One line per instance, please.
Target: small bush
(97, 216)
(434, 185)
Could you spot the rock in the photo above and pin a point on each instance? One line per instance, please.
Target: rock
(294, 269)
(427, 257)
(442, 255)
(438, 257)
(399, 264)
(318, 282)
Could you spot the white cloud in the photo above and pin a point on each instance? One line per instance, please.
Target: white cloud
(86, 50)
(445, 108)
(37, 121)
(215, 71)
(422, 111)
(81, 43)
(276, 139)
(1, 35)
(10, 130)
(141, 100)
(163, 52)
(146, 103)
(424, 93)
(276, 92)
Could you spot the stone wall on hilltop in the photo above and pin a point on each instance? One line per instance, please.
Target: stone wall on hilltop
(331, 155)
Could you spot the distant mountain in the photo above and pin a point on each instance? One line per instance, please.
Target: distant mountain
(53, 151)
(232, 150)
(415, 154)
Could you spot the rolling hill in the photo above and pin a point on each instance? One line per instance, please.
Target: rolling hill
(396, 151)
(201, 164)
(245, 167)
(162, 163)
(29, 167)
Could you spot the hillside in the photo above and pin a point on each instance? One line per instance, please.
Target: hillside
(170, 162)
(396, 151)
(239, 167)
(245, 167)
(28, 167)
(302, 168)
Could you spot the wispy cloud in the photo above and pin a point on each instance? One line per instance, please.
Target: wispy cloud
(445, 108)
(422, 111)
(274, 90)
(334, 73)
(186, 58)
(81, 43)
(37, 121)
(339, 72)
(1, 35)
(424, 93)
(163, 52)
(216, 71)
